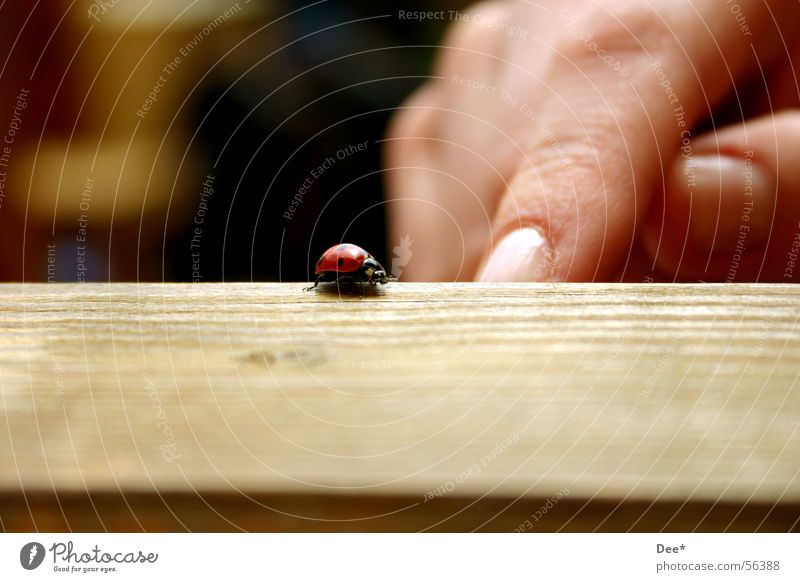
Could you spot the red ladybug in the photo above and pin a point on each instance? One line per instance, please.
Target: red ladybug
(349, 264)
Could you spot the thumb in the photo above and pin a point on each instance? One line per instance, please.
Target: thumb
(617, 108)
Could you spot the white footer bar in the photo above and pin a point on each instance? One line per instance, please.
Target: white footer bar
(387, 557)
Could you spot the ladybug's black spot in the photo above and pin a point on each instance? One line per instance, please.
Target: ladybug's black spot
(340, 262)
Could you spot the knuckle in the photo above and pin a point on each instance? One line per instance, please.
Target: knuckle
(625, 31)
(414, 124)
(474, 25)
(473, 36)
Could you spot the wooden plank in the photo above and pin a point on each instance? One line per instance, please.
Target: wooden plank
(421, 396)
(251, 511)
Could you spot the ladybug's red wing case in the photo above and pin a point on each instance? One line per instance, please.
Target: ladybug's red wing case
(343, 258)
(351, 264)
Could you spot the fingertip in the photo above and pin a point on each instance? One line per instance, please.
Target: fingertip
(524, 254)
(725, 196)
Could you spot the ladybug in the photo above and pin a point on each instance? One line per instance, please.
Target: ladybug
(351, 264)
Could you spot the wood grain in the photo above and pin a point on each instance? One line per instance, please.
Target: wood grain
(420, 405)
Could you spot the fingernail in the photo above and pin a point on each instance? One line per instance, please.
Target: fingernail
(732, 201)
(522, 255)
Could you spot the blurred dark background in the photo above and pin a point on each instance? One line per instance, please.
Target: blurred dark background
(198, 141)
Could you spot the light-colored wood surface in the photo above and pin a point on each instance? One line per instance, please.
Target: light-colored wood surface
(616, 393)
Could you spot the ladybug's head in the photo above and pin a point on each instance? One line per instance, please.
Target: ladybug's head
(374, 271)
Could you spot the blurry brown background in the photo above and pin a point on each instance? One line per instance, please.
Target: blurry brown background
(166, 140)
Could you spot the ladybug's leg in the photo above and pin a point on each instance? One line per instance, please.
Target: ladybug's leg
(319, 278)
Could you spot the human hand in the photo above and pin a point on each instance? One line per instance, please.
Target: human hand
(577, 142)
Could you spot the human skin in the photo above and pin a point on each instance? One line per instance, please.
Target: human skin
(590, 140)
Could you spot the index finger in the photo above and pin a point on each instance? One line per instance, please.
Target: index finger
(602, 139)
